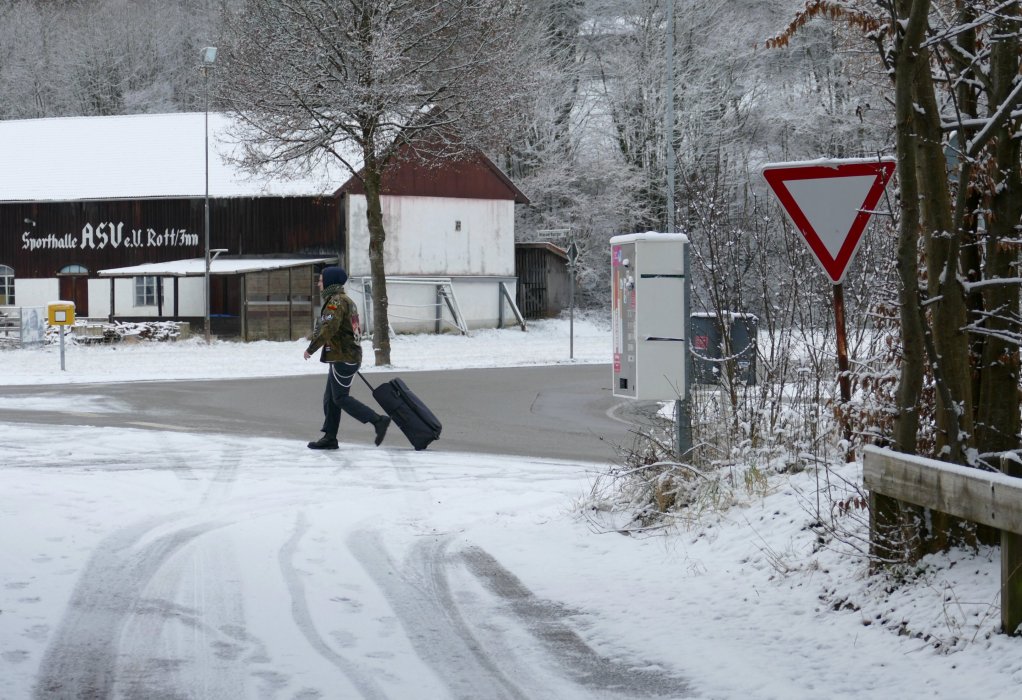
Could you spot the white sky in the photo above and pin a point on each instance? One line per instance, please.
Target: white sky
(229, 567)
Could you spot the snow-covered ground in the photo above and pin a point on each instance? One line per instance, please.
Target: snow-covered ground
(545, 343)
(203, 566)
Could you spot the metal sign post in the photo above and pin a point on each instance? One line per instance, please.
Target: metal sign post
(843, 378)
(572, 261)
(61, 313)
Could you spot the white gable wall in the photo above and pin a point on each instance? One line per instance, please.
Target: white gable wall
(422, 236)
(425, 240)
(36, 292)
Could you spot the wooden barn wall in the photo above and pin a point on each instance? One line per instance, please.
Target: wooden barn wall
(38, 239)
(280, 304)
(543, 282)
(530, 266)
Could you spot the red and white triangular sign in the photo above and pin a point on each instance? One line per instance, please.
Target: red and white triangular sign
(830, 202)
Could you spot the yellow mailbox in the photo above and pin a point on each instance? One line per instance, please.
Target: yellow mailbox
(61, 313)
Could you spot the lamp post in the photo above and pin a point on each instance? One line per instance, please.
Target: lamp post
(208, 58)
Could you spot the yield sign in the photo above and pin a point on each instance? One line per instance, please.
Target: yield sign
(830, 202)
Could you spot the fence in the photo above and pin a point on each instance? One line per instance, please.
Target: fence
(22, 325)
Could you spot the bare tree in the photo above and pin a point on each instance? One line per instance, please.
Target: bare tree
(321, 79)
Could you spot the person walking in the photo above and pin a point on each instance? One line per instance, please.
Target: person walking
(338, 333)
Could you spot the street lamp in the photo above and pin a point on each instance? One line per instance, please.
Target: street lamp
(208, 58)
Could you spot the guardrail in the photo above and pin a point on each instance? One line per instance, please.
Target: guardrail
(987, 498)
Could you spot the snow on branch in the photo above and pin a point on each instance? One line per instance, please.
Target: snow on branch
(998, 281)
(977, 123)
(987, 16)
(999, 117)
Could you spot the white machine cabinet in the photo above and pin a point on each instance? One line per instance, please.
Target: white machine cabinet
(648, 315)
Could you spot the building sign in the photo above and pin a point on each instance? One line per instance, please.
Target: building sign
(110, 235)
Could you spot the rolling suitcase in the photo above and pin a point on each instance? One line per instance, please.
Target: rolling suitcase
(407, 411)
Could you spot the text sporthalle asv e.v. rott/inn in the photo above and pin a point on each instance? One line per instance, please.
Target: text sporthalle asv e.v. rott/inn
(110, 235)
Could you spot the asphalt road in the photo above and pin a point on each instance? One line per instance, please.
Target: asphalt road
(561, 411)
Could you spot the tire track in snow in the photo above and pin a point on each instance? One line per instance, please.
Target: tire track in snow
(81, 661)
(422, 600)
(545, 621)
(193, 639)
(359, 677)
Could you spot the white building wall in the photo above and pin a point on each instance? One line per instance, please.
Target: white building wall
(40, 292)
(436, 236)
(36, 292)
(190, 298)
(482, 303)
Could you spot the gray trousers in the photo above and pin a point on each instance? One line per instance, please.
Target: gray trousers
(337, 398)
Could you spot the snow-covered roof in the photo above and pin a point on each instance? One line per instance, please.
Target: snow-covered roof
(649, 236)
(196, 267)
(135, 156)
(544, 245)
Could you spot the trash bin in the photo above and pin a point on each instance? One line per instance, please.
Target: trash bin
(743, 346)
(708, 347)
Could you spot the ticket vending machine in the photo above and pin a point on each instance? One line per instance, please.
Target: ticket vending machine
(649, 315)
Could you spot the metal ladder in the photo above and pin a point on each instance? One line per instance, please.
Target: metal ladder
(445, 291)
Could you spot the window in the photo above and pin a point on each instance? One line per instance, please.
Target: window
(6, 285)
(145, 291)
(73, 270)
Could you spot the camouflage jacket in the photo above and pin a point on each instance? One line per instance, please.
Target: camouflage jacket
(337, 329)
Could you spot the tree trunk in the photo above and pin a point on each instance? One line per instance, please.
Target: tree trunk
(896, 526)
(377, 236)
(997, 424)
(968, 200)
(951, 365)
(910, 381)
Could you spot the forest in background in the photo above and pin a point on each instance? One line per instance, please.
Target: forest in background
(591, 155)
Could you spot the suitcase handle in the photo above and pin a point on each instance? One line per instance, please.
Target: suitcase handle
(362, 377)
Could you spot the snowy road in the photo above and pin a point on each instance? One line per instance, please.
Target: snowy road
(565, 412)
(170, 564)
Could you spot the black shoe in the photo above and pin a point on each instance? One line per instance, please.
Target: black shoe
(381, 424)
(326, 442)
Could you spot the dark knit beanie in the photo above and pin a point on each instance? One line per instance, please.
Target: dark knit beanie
(333, 275)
